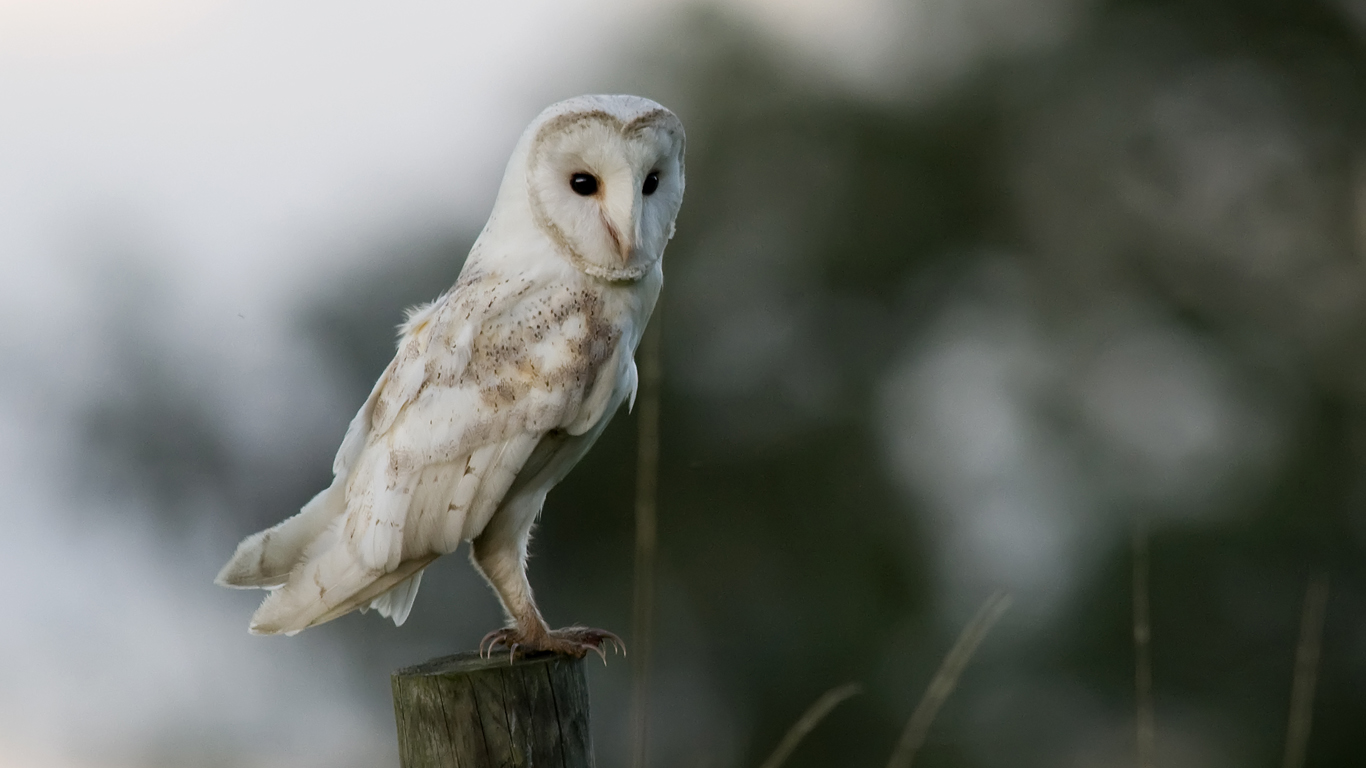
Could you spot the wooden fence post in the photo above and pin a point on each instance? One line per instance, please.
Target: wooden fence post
(470, 712)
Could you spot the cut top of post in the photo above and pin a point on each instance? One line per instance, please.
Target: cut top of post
(472, 661)
(473, 712)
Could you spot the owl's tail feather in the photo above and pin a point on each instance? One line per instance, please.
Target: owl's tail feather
(332, 583)
(265, 559)
(398, 602)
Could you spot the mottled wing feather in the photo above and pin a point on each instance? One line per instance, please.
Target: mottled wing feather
(603, 395)
(498, 477)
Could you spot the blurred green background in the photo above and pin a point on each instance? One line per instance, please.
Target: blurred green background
(946, 329)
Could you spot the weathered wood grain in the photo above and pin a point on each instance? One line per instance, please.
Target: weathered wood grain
(464, 711)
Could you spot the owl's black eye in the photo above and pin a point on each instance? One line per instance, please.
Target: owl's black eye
(584, 183)
(651, 183)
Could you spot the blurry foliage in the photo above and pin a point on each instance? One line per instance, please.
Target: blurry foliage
(1199, 159)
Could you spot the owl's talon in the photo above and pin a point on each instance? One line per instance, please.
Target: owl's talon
(496, 638)
(570, 641)
(577, 641)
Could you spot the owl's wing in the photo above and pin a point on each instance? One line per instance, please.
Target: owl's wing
(449, 427)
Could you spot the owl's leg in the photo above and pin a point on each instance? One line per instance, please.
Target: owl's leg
(504, 567)
(500, 554)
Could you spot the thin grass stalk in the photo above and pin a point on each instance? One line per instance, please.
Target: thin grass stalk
(1306, 672)
(946, 679)
(808, 722)
(647, 486)
(1145, 717)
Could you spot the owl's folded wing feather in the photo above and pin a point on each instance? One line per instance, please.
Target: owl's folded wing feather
(449, 427)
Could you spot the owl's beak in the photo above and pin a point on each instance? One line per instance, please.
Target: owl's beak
(620, 209)
(624, 242)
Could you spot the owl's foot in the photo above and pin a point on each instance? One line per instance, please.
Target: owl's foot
(570, 641)
(578, 641)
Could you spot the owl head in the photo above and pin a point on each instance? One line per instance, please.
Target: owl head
(603, 180)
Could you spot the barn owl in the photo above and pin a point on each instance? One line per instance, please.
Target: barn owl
(498, 388)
